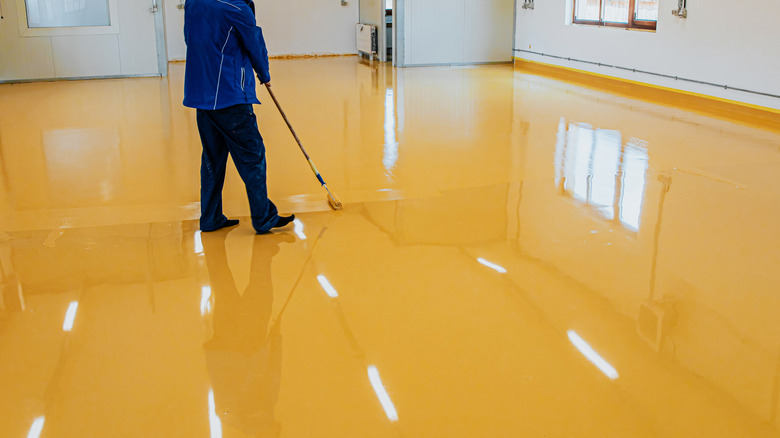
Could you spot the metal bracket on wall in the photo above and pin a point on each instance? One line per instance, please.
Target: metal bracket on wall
(528, 4)
(682, 9)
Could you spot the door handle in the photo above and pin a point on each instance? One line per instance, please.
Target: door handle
(154, 7)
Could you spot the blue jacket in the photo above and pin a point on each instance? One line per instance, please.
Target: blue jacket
(224, 44)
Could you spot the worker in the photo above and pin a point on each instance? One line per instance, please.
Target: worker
(224, 45)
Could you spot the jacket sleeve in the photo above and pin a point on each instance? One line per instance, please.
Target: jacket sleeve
(251, 37)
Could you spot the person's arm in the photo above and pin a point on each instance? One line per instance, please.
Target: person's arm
(251, 37)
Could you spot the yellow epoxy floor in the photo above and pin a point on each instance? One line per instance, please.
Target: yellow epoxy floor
(518, 257)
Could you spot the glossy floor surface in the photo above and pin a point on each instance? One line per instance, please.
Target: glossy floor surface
(517, 257)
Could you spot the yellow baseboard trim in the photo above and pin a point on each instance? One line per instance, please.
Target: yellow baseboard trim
(702, 103)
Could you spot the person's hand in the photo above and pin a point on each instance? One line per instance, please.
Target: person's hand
(267, 84)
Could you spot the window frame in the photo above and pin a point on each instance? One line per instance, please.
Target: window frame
(633, 23)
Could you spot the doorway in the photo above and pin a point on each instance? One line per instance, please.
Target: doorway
(387, 29)
(381, 14)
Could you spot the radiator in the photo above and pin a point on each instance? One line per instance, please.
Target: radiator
(366, 39)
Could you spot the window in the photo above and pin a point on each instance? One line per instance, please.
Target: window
(634, 14)
(67, 13)
(45, 18)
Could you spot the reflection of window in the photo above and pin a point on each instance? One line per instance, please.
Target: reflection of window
(67, 13)
(595, 167)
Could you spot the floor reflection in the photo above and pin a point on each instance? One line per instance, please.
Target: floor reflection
(517, 256)
(244, 355)
(597, 168)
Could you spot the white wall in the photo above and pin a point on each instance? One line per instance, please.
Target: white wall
(305, 27)
(130, 50)
(721, 42)
(290, 27)
(457, 31)
(373, 12)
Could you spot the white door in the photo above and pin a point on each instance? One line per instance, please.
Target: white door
(52, 39)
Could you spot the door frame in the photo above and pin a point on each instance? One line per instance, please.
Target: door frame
(398, 33)
(159, 34)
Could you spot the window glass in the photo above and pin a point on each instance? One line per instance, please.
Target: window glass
(616, 11)
(588, 10)
(67, 13)
(647, 10)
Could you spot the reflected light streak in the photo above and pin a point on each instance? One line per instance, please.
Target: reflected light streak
(36, 428)
(381, 393)
(299, 229)
(592, 356)
(491, 265)
(391, 144)
(70, 316)
(205, 300)
(198, 243)
(215, 425)
(329, 289)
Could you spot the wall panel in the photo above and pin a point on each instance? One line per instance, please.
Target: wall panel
(22, 57)
(303, 27)
(488, 31)
(86, 55)
(458, 31)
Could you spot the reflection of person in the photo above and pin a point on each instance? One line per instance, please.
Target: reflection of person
(243, 358)
(224, 45)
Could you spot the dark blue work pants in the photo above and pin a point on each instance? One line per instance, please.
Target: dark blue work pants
(233, 130)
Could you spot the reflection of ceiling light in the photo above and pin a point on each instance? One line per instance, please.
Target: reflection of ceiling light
(299, 229)
(491, 265)
(215, 425)
(198, 243)
(592, 356)
(70, 316)
(381, 393)
(205, 300)
(329, 289)
(36, 428)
